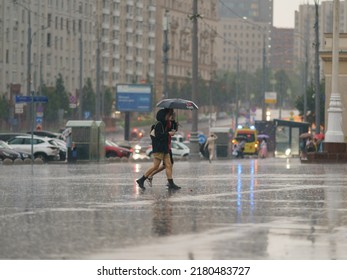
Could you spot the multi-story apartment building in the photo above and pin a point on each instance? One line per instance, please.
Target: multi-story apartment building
(56, 29)
(282, 52)
(256, 10)
(244, 34)
(180, 40)
(126, 33)
(116, 41)
(304, 32)
(242, 42)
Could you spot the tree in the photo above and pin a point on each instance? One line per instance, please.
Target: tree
(57, 100)
(4, 108)
(311, 116)
(88, 99)
(108, 102)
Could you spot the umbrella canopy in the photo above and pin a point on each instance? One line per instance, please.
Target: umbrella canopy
(177, 103)
(305, 135)
(261, 136)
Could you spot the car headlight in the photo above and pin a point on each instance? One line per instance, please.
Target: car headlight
(137, 148)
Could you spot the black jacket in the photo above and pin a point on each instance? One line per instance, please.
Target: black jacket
(160, 143)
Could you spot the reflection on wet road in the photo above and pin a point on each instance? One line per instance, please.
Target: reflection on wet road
(231, 209)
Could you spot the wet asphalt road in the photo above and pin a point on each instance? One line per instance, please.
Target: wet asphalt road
(230, 209)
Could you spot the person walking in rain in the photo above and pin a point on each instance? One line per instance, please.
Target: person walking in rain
(263, 148)
(210, 145)
(171, 125)
(160, 144)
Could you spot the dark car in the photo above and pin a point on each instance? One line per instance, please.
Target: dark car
(114, 150)
(7, 151)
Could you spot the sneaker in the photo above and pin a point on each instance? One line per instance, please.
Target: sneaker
(140, 183)
(149, 181)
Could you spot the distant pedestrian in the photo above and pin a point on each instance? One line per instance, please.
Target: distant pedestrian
(210, 145)
(67, 134)
(263, 148)
(240, 147)
(73, 153)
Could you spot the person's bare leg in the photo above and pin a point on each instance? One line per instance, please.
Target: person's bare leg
(150, 176)
(168, 169)
(155, 166)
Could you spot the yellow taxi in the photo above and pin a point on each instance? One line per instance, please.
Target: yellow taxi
(250, 137)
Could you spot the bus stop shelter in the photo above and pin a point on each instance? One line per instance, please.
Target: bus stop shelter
(287, 136)
(88, 137)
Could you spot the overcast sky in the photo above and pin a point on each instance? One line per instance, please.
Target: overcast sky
(284, 11)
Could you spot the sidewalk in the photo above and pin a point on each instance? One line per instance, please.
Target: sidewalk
(230, 209)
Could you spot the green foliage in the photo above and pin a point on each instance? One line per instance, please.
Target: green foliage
(311, 104)
(57, 100)
(108, 102)
(4, 108)
(88, 99)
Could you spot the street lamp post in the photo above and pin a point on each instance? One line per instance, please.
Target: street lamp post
(317, 76)
(194, 144)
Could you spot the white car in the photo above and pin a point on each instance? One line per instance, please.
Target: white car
(178, 149)
(42, 148)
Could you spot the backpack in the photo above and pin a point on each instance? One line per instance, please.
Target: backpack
(152, 134)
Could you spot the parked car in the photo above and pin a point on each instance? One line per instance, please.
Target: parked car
(61, 144)
(178, 149)
(5, 136)
(125, 144)
(42, 148)
(45, 133)
(142, 145)
(112, 149)
(6, 151)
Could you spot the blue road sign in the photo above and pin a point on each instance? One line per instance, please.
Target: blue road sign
(38, 120)
(133, 98)
(23, 99)
(41, 99)
(27, 99)
(201, 138)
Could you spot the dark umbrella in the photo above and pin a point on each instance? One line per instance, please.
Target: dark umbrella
(177, 103)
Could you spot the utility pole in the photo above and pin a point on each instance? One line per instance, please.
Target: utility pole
(166, 48)
(97, 103)
(317, 79)
(80, 108)
(194, 144)
(28, 114)
(306, 38)
(237, 86)
(29, 91)
(264, 79)
(98, 36)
